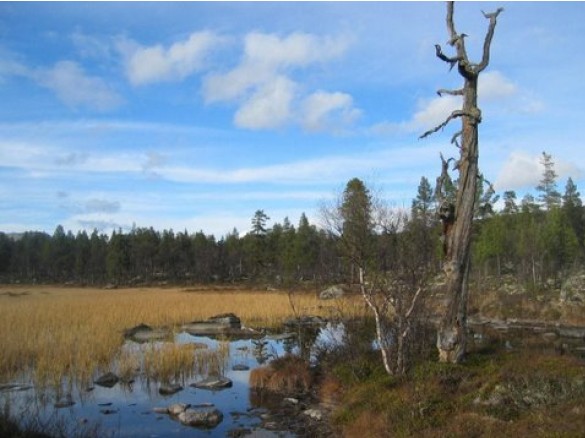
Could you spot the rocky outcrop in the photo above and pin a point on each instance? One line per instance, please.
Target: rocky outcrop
(226, 324)
(331, 293)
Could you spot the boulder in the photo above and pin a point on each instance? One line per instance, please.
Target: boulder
(226, 324)
(107, 380)
(331, 293)
(213, 383)
(205, 418)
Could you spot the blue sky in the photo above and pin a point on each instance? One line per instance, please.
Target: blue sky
(195, 115)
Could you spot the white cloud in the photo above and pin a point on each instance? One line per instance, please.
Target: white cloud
(269, 107)
(262, 85)
(493, 85)
(75, 88)
(328, 111)
(156, 63)
(525, 170)
(266, 56)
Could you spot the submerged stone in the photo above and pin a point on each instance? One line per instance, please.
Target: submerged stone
(213, 383)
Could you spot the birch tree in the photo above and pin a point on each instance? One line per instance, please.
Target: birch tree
(457, 217)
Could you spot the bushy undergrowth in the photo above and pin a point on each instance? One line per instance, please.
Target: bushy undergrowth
(495, 393)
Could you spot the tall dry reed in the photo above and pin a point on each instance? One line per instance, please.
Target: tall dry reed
(52, 333)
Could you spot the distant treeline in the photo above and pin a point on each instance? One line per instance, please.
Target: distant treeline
(535, 241)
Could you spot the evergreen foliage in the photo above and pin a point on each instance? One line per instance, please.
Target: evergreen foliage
(534, 244)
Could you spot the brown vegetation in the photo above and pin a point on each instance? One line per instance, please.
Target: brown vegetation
(289, 374)
(56, 332)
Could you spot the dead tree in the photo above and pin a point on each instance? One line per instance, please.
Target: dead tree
(458, 218)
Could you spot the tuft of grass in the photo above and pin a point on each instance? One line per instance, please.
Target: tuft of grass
(288, 374)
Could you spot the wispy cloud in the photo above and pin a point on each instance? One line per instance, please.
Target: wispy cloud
(75, 87)
(70, 83)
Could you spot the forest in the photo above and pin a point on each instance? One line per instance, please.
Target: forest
(537, 241)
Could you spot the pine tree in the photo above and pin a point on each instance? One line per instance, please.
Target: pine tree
(573, 210)
(549, 196)
(510, 206)
(422, 205)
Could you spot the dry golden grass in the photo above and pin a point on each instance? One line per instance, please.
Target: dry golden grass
(57, 332)
(288, 374)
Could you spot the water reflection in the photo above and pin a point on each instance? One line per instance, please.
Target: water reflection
(126, 408)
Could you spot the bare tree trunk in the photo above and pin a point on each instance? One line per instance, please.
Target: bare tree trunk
(379, 313)
(458, 219)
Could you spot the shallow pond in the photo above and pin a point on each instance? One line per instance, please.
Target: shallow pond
(128, 410)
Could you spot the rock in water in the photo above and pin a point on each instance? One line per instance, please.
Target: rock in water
(169, 389)
(201, 418)
(228, 319)
(177, 408)
(107, 380)
(213, 383)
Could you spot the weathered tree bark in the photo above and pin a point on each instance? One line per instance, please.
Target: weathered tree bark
(458, 219)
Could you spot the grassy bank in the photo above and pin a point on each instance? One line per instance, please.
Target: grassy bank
(495, 393)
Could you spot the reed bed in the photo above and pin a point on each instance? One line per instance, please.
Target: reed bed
(53, 332)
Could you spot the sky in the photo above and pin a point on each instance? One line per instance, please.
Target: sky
(194, 115)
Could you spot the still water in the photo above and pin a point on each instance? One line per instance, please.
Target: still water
(127, 410)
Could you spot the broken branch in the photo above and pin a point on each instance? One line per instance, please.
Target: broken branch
(450, 92)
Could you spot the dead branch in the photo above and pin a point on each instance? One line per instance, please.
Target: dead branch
(493, 17)
(452, 61)
(450, 92)
(455, 137)
(442, 178)
(456, 40)
(455, 114)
